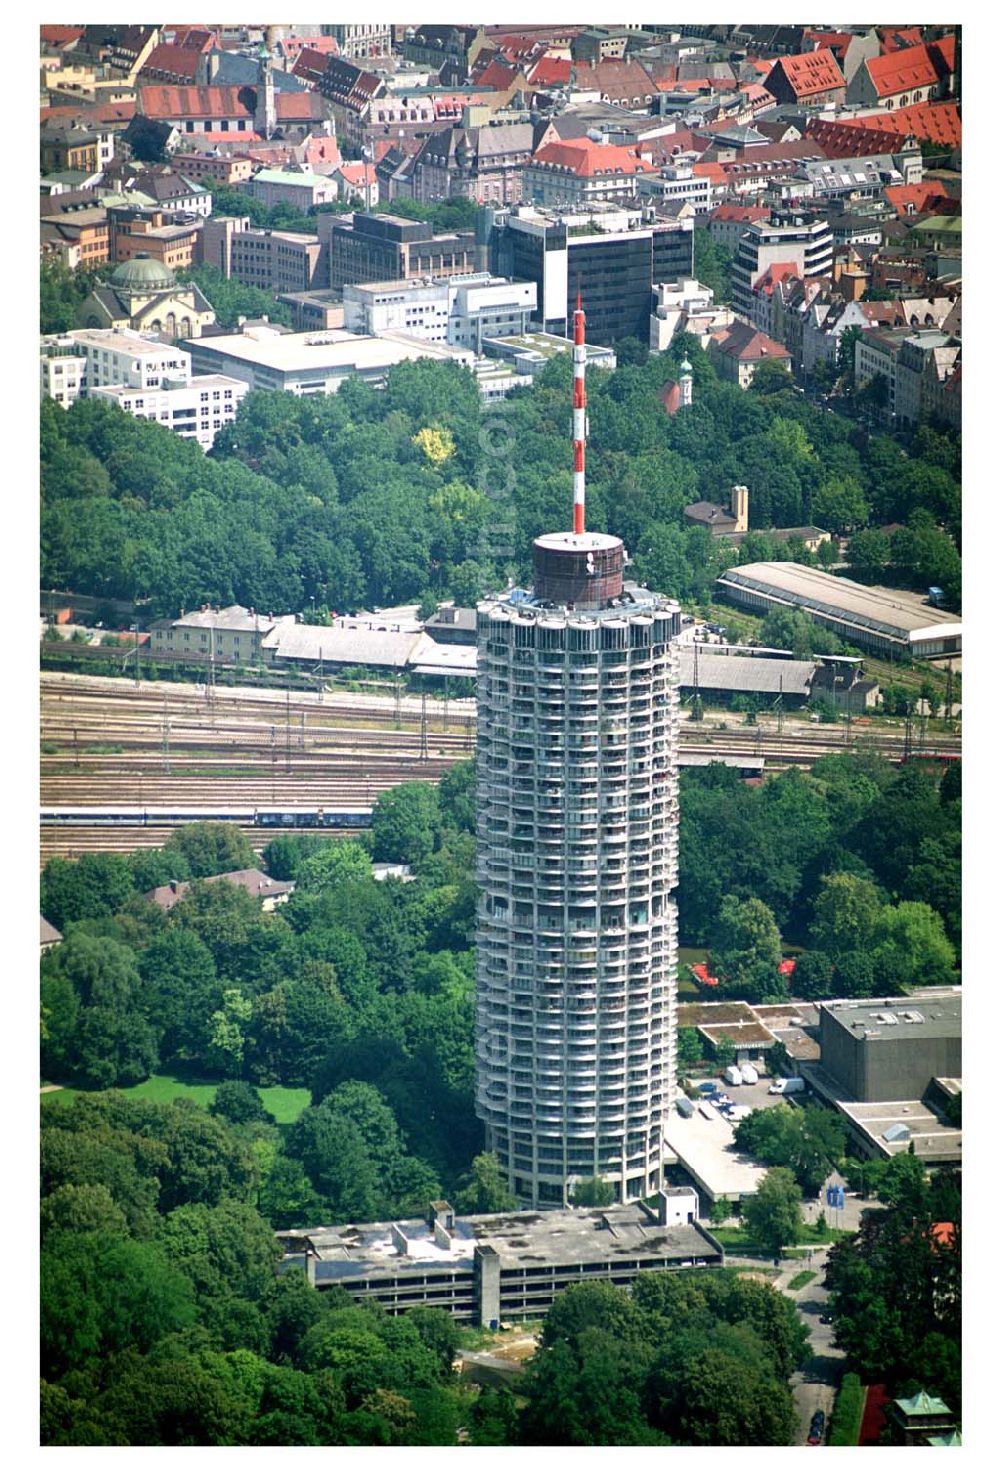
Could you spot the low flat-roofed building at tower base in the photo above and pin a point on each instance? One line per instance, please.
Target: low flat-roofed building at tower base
(486, 1268)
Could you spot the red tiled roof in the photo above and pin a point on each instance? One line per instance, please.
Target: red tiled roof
(197, 36)
(321, 150)
(747, 345)
(59, 36)
(181, 61)
(551, 71)
(944, 50)
(91, 113)
(926, 198)
(161, 101)
(895, 38)
(835, 41)
(915, 66)
(810, 72)
(293, 46)
(357, 173)
(739, 213)
(855, 138)
(303, 107)
(712, 171)
(777, 271)
(496, 75)
(933, 122)
(310, 63)
(588, 159)
(943, 1233)
(620, 79)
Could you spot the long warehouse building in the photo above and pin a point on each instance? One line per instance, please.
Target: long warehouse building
(883, 621)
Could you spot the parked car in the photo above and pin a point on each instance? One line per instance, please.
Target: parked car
(708, 1087)
(816, 1428)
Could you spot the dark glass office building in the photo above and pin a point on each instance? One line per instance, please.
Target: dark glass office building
(614, 271)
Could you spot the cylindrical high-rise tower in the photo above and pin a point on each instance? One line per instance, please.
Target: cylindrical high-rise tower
(577, 858)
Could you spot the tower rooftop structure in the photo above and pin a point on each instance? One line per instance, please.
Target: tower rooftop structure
(576, 860)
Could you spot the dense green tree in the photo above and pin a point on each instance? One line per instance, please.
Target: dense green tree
(226, 1250)
(210, 848)
(239, 1103)
(405, 823)
(83, 1208)
(846, 912)
(86, 888)
(745, 937)
(593, 1192)
(910, 946)
(331, 864)
(808, 1141)
(101, 1294)
(774, 1212)
(487, 1190)
(180, 990)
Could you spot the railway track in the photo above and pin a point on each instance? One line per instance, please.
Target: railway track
(73, 842)
(108, 742)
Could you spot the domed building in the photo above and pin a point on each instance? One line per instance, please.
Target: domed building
(145, 295)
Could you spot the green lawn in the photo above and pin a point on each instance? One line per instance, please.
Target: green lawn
(801, 1279)
(845, 1422)
(285, 1103)
(740, 1239)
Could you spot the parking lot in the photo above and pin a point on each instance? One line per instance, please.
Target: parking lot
(752, 1095)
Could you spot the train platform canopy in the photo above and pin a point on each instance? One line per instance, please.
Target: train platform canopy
(879, 618)
(431, 657)
(746, 675)
(374, 643)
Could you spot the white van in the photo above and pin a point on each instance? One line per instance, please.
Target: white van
(788, 1085)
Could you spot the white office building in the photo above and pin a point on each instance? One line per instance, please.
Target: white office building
(315, 362)
(577, 860)
(677, 184)
(788, 237)
(73, 363)
(143, 376)
(196, 410)
(458, 310)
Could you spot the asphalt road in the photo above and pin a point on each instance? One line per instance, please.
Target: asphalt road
(814, 1386)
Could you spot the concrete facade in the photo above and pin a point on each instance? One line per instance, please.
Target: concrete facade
(484, 1269)
(460, 310)
(577, 859)
(786, 237)
(884, 1050)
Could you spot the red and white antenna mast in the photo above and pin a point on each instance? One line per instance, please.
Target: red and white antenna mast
(579, 418)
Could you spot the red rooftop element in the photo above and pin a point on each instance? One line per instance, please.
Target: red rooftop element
(776, 272)
(551, 71)
(835, 41)
(670, 397)
(589, 160)
(915, 66)
(918, 199)
(59, 36)
(496, 76)
(810, 73)
(739, 213)
(895, 38)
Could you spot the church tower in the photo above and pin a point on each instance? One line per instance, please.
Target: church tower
(265, 114)
(686, 384)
